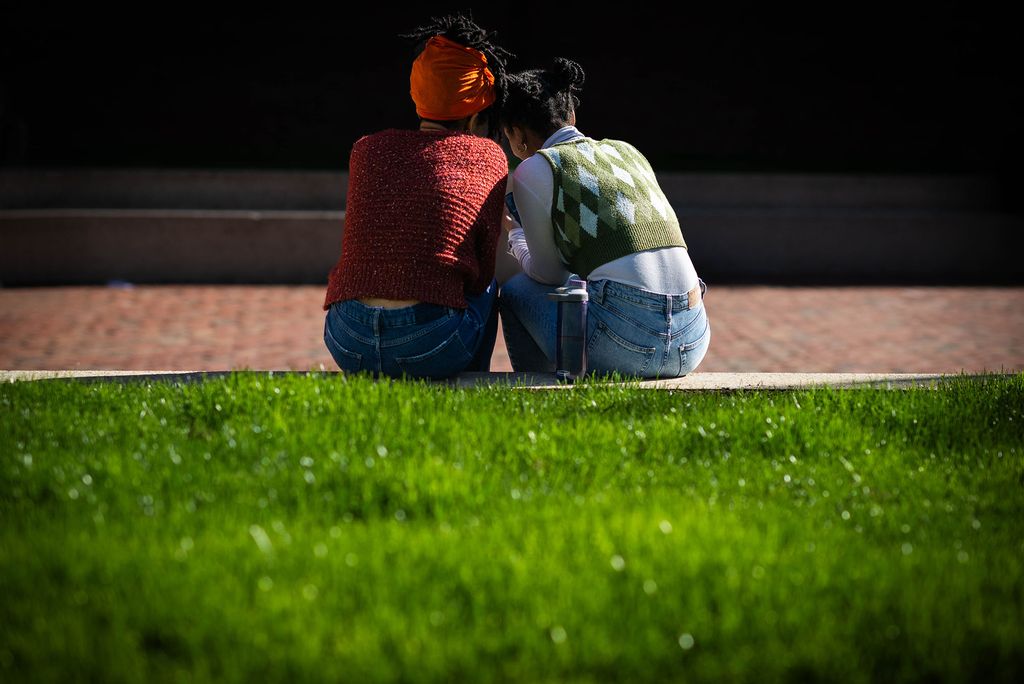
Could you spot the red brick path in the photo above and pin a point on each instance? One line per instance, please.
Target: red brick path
(914, 329)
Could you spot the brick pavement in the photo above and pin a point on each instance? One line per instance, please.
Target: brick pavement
(769, 329)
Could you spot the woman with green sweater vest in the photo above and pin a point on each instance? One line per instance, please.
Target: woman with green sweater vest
(593, 209)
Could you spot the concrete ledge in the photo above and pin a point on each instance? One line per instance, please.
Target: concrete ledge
(152, 188)
(695, 381)
(90, 226)
(94, 246)
(249, 189)
(849, 247)
(768, 245)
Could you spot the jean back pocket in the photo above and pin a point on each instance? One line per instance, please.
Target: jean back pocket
(607, 351)
(346, 359)
(442, 361)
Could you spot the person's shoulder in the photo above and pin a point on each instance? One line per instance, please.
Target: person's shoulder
(479, 145)
(385, 136)
(373, 141)
(531, 168)
(534, 174)
(492, 149)
(400, 140)
(480, 142)
(616, 144)
(484, 155)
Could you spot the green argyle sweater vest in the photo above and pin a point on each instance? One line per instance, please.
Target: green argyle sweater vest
(607, 203)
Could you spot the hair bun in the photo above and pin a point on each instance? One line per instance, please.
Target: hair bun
(566, 74)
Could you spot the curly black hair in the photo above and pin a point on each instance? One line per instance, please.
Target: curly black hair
(461, 28)
(542, 99)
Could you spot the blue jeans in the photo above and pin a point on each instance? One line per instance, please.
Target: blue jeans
(629, 330)
(421, 341)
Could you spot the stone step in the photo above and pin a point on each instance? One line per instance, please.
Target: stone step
(143, 188)
(90, 246)
(771, 245)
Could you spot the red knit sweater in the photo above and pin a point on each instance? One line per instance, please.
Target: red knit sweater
(422, 217)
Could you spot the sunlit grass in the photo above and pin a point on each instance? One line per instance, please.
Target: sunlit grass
(269, 528)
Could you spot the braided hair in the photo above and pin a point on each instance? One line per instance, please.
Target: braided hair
(542, 99)
(463, 30)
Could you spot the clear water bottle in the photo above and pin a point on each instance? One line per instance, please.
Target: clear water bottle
(570, 344)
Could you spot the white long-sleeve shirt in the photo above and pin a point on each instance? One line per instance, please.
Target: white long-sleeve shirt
(532, 238)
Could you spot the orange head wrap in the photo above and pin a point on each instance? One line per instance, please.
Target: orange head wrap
(450, 81)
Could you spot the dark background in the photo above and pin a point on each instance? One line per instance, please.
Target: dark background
(845, 87)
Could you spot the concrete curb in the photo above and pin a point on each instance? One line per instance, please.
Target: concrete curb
(695, 381)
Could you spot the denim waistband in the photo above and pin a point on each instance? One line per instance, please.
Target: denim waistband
(600, 290)
(416, 314)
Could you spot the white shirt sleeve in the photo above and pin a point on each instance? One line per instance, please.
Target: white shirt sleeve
(532, 237)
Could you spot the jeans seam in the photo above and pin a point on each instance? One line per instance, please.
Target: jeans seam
(638, 302)
(618, 313)
(603, 330)
(348, 330)
(693, 345)
(339, 347)
(412, 337)
(692, 325)
(431, 353)
(623, 342)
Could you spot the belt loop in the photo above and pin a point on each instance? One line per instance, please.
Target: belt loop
(668, 308)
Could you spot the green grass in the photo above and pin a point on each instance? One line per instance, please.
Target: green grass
(269, 528)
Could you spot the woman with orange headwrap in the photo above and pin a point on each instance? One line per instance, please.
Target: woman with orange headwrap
(413, 292)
